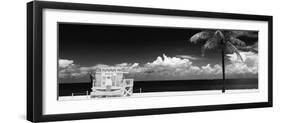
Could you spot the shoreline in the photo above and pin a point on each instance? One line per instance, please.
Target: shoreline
(160, 94)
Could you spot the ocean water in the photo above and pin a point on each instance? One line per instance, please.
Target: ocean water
(67, 89)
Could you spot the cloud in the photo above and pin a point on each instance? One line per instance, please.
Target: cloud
(69, 70)
(64, 63)
(174, 68)
(169, 62)
(246, 68)
(171, 68)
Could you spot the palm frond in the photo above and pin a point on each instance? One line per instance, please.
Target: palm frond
(226, 59)
(204, 35)
(210, 44)
(253, 48)
(248, 48)
(244, 33)
(237, 42)
(232, 48)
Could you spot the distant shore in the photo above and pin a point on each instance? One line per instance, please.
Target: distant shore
(161, 94)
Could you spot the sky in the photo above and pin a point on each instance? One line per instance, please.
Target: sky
(147, 53)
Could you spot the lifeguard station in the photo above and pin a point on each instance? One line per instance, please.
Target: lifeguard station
(110, 82)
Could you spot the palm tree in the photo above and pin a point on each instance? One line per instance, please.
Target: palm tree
(225, 39)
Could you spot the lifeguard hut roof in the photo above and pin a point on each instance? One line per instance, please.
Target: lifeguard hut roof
(110, 70)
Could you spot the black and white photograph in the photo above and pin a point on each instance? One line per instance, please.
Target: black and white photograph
(109, 60)
(88, 61)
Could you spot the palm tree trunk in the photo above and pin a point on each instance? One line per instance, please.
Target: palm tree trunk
(223, 68)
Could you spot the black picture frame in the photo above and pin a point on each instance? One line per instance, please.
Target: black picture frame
(34, 60)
